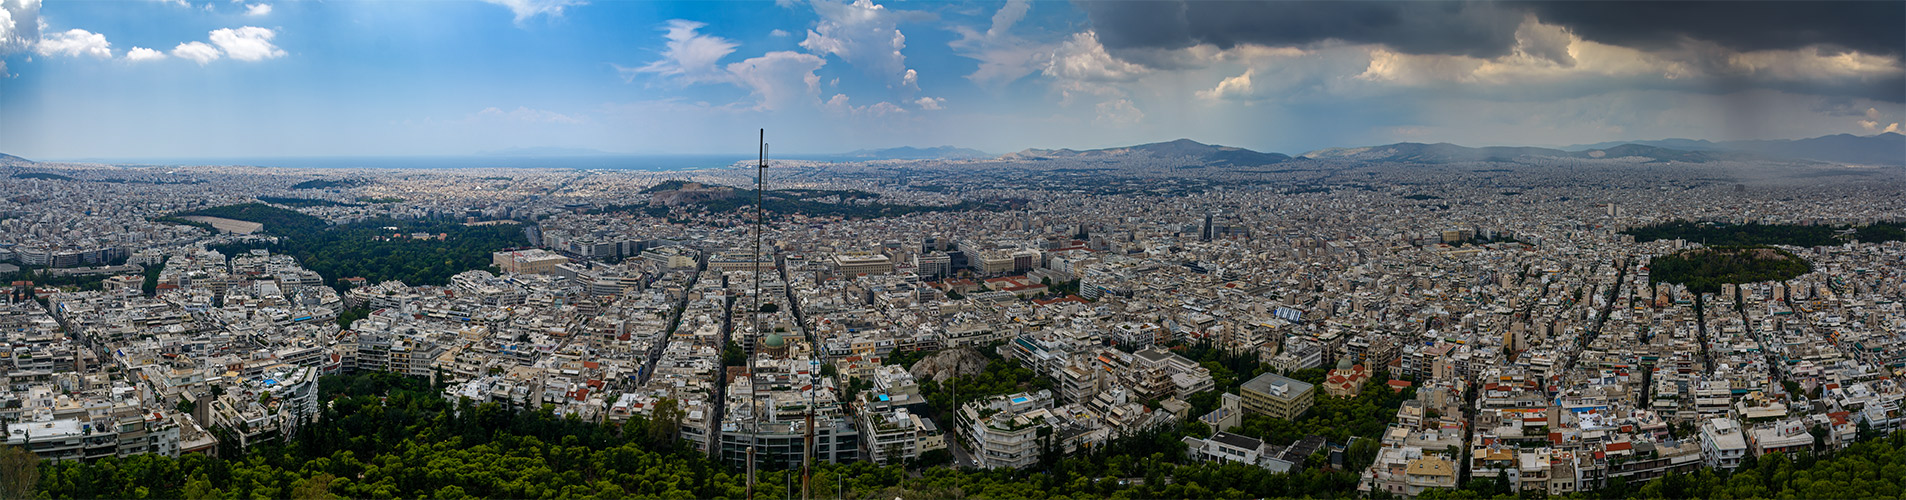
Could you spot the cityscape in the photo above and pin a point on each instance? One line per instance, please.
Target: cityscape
(1525, 287)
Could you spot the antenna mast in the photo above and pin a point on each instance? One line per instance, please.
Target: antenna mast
(754, 315)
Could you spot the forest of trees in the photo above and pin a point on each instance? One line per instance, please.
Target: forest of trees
(328, 183)
(1718, 234)
(368, 249)
(1706, 270)
(278, 221)
(304, 202)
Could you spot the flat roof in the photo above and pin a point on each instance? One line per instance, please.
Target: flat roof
(1264, 382)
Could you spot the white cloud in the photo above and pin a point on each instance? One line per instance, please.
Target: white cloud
(198, 52)
(256, 10)
(779, 33)
(524, 114)
(864, 34)
(1231, 87)
(1119, 112)
(1081, 66)
(689, 55)
(144, 54)
(249, 43)
(74, 43)
(779, 79)
(775, 79)
(931, 103)
(1082, 58)
(19, 25)
(839, 105)
(525, 9)
(1003, 57)
(6, 24)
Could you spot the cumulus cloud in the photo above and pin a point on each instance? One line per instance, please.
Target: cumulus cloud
(930, 103)
(526, 9)
(1081, 65)
(775, 79)
(839, 105)
(248, 43)
(199, 52)
(73, 43)
(144, 54)
(1231, 87)
(256, 10)
(864, 34)
(1083, 58)
(779, 33)
(778, 80)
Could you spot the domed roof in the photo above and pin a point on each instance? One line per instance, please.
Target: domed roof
(774, 340)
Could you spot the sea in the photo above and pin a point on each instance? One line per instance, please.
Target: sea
(652, 163)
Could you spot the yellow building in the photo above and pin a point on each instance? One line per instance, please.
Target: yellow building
(532, 261)
(1277, 396)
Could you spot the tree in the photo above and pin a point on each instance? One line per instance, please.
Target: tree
(316, 488)
(19, 472)
(732, 355)
(665, 423)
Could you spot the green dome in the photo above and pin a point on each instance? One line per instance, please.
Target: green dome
(774, 340)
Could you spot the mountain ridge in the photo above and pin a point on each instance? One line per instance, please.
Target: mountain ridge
(1887, 148)
(915, 153)
(1209, 154)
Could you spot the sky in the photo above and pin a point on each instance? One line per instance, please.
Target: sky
(287, 78)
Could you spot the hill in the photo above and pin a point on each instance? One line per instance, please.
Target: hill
(1412, 152)
(1882, 149)
(913, 153)
(7, 158)
(1206, 154)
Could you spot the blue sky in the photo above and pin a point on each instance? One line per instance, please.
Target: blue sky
(250, 78)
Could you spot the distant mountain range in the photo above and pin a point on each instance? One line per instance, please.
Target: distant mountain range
(1411, 152)
(546, 151)
(1207, 154)
(913, 153)
(1883, 149)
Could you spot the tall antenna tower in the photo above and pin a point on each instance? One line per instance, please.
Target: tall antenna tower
(754, 314)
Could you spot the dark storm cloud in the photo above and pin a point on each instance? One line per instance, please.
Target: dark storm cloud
(1875, 27)
(1456, 28)
(1487, 29)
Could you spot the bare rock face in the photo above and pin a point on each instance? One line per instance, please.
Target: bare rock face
(945, 365)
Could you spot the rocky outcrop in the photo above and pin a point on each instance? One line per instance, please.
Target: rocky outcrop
(946, 364)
